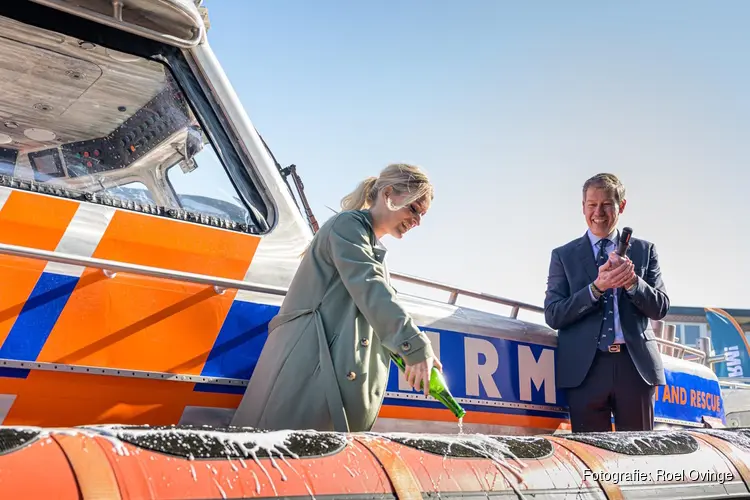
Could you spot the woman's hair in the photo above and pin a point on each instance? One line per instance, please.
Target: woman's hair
(405, 179)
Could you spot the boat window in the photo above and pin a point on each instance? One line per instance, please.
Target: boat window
(197, 190)
(132, 191)
(7, 156)
(112, 126)
(690, 334)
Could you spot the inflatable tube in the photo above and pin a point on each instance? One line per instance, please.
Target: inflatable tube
(118, 462)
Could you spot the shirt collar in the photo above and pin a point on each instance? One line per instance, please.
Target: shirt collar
(612, 237)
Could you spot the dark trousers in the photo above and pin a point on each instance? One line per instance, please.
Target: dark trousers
(613, 386)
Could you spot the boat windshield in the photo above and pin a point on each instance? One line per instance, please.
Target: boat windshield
(90, 120)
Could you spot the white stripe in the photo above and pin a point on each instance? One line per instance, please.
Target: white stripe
(82, 237)
(266, 299)
(4, 194)
(6, 401)
(277, 257)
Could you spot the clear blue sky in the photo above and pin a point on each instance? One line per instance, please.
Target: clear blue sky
(510, 107)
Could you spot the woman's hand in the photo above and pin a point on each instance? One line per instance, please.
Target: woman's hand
(420, 373)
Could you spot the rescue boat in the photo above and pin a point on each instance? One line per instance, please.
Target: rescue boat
(147, 237)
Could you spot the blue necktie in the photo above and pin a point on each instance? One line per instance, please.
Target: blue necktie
(607, 334)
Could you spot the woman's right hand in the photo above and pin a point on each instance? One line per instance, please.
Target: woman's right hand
(420, 373)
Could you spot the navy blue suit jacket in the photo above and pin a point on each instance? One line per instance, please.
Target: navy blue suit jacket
(569, 309)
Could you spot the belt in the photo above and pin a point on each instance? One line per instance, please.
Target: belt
(615, 348)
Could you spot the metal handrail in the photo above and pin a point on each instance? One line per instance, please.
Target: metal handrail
(219, 284)
(224, 283)
(455, 292)
(682, 348)
(113, 22)
(734, 385)
(712, 360)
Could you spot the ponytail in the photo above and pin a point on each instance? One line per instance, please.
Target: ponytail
(405, 179)
(362, 197)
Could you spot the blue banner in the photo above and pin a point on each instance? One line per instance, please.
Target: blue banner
(489, 374)
(486, 374)
(688, 397)
(493, 375)
(728, 338)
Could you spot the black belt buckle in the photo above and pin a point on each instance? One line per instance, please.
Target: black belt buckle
(614, 348)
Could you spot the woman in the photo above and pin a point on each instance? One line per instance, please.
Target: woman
(325, 364)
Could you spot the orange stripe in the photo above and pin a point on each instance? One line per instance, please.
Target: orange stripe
(127, 323)
(433, 414)
(147, 323)
(30, 220)
(58, 399)
(183, 246)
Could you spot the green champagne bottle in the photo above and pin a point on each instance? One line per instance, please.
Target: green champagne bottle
(438, 388)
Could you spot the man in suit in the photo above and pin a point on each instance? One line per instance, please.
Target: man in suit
(600, 304)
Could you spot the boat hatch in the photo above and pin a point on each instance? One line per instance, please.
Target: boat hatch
(175, 22)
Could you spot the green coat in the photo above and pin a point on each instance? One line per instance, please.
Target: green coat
(325, 364)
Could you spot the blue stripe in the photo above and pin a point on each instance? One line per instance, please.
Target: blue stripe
(240, 341)
(220, 389)
(38, 317)
(8, 372)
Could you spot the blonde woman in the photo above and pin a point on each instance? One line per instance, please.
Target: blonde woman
(325, 364)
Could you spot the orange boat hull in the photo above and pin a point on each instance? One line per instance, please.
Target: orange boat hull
(199, 463)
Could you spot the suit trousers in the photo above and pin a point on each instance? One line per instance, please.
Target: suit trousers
(612, 386)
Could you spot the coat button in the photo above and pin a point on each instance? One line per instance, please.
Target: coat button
(351, 375)
(405, 346)
(365, 342)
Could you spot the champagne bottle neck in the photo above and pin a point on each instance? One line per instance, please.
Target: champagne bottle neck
(438, 388)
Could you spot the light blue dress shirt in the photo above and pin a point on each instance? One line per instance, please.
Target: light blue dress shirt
(613, 237)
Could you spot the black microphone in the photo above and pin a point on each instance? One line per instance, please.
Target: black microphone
(624, 241)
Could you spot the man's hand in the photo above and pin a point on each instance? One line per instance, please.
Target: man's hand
(421, 372)
(615, 273)
(630, 278)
